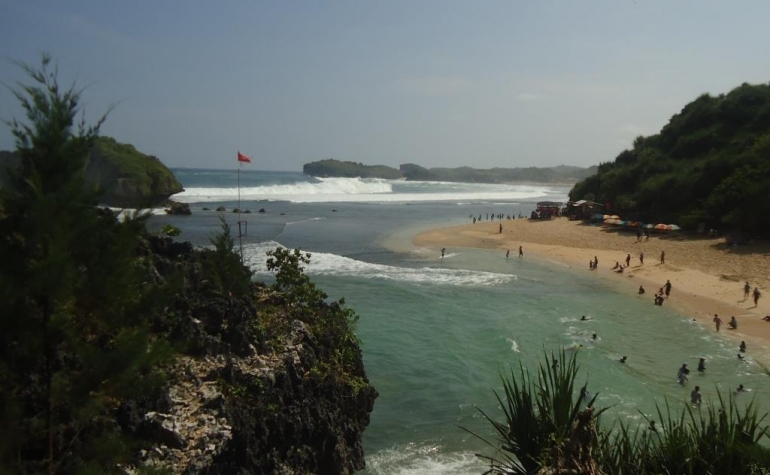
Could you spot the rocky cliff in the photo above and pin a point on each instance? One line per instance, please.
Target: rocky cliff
(253, 391)
(125, 176)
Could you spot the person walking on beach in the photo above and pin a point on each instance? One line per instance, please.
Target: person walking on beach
(521, 252)
(596, 262)
(628, 260)
(746, 290)
(667, 287)
(717, 321)
(756, 295)
(662, 257)
(641, 257)
(501, 228)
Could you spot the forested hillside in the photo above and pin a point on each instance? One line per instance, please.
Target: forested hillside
(410, 171)
(710, 164)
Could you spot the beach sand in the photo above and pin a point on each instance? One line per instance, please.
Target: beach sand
(706, 275)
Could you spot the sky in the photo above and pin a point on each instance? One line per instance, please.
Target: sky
(437, 83)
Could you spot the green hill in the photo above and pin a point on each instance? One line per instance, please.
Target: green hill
(709, 165)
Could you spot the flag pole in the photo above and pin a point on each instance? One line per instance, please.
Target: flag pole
(242, 225)
(240, 234)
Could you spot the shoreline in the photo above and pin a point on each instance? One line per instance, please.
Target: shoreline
(707, 277)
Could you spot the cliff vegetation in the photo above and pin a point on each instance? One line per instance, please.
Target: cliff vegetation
(128, 352)
(709, 165)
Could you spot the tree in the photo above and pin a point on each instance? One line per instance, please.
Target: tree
(74, 299)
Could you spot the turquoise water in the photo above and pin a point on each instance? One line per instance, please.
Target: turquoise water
(436, 333)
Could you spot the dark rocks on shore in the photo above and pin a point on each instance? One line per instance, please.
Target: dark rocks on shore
(221, 209)
(172, 207)
(261, 210)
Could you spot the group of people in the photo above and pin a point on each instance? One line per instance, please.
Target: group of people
(684, 371)
(747, 291)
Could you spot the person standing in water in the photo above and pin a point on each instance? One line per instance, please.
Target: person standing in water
(507, 253)
(695, 396)
(717, 321)
(702, 365)
(521, 252)
(443, 250)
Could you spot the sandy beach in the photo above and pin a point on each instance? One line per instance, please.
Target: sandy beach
(706, 275)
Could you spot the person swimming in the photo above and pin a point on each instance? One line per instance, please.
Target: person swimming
(740, 389)
(623, 359)
(584, 319)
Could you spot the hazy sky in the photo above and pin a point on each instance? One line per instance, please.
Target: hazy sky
(437, 83)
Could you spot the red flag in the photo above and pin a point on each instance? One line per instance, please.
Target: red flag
(243, 158)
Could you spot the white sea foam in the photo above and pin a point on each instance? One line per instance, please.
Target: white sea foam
(322, 263)
(123, 213)
(514, 345)
(367, 190)
(414, 459)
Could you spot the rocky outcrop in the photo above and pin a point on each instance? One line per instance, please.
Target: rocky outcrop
(126, 177)
(129, 178)
(246, 398)
(183, 209)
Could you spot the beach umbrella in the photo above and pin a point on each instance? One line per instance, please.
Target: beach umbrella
(615, 216)
(674, 227)
(660, 226)
(648, 226)
(606, 216)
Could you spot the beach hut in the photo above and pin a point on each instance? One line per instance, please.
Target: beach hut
(548, 209)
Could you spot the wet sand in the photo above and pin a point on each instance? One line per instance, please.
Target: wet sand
(706, 275)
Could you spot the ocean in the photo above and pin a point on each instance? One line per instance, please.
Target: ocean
(437, 333)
